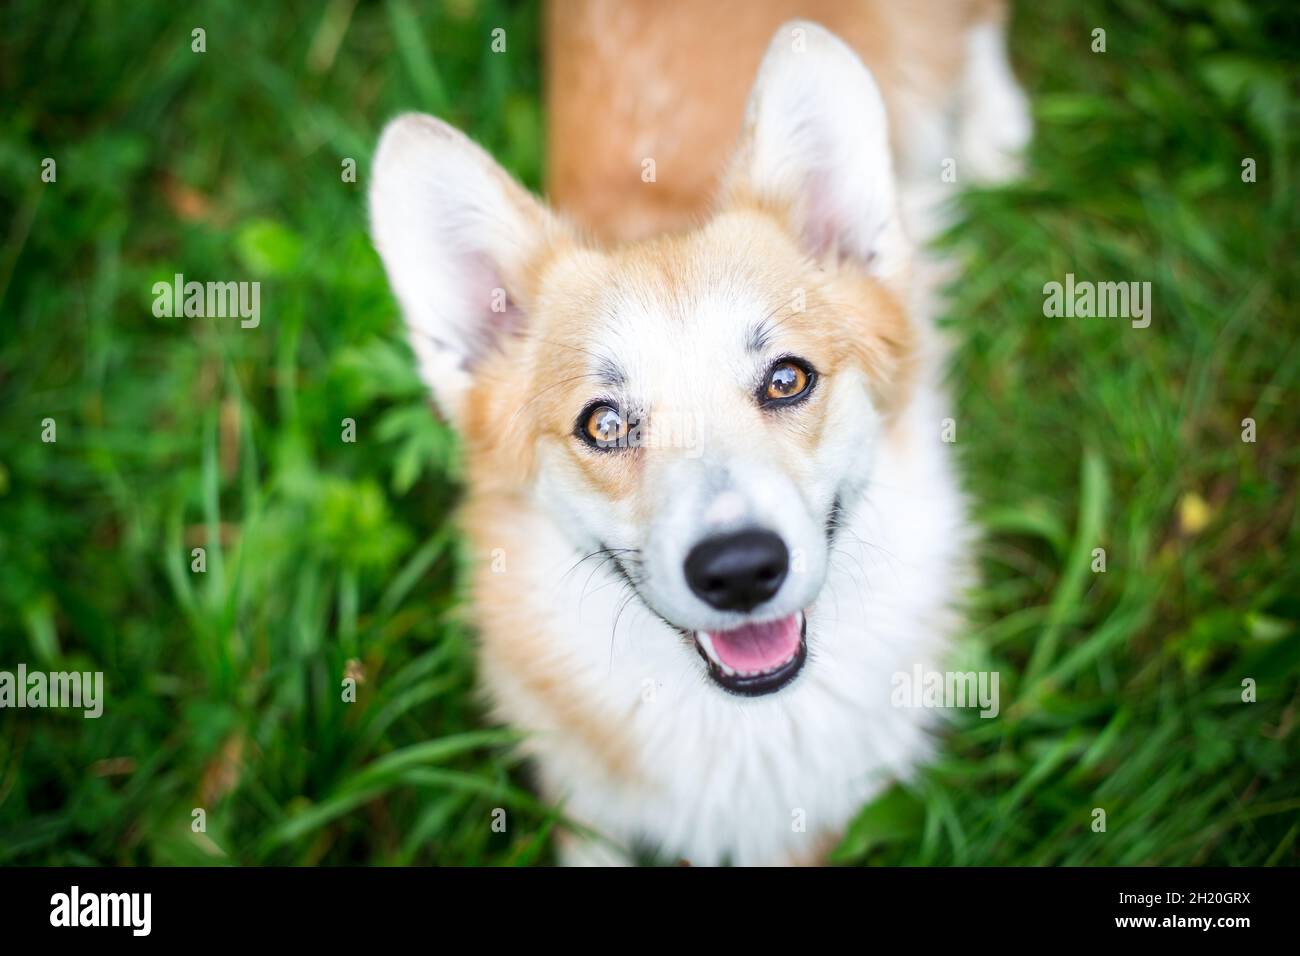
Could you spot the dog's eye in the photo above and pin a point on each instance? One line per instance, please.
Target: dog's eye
(787, 379)
(604, 427)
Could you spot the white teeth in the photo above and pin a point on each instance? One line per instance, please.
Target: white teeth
(706, 642)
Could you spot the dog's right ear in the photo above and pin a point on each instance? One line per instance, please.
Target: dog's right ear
(815, 147)
(458, 238)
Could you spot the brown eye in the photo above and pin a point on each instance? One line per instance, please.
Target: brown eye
(605, 427)
(786, 380)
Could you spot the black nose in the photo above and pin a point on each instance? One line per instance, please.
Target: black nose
(737, 572)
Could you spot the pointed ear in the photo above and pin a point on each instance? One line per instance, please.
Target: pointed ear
(815, 149)
(459, 239)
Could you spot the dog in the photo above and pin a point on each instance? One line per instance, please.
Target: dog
(708, 494)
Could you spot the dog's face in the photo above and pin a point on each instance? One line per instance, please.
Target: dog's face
(697, 410)
(702, 406)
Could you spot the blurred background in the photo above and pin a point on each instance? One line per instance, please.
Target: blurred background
(324, 559)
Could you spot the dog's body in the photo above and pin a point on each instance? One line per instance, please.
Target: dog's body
(667, 80)
(707, 486)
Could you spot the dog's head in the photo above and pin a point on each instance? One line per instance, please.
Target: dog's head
(700, 406)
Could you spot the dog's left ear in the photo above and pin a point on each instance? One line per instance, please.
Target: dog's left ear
(459, 239)
(815, 149)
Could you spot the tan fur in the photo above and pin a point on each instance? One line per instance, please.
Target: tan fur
(630, 80)
(520, 655)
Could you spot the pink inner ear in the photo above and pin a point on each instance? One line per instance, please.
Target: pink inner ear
(486, 327)
(825, 231)
(822, 228)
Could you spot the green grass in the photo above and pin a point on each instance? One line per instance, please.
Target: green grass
(1120, 690)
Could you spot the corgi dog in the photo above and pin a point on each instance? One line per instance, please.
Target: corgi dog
(712, 511)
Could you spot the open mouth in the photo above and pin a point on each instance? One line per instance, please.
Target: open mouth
(758, 658)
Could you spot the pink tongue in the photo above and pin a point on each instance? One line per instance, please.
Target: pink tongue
(757, 647)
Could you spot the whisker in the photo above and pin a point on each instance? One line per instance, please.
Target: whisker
(613, 631)
(589, 556)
